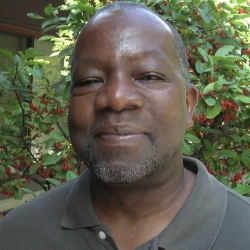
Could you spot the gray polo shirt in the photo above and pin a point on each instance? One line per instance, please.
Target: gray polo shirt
(213, 217)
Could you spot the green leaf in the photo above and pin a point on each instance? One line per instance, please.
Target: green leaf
(11, 143)
(35, 16)
(28, 191)
(37, 73)
(214, 111)
(60, 89)
(45, 38)
(210, 101)
(223, 180)
(61, 175)
(2, 169)
(31, 52)
(84, 7)
(236, 138)
(204, 15)
(66, 92)
(208, 88)
(49, 143)
(208, 26)
(228, 41)
(242, 189)
(57, 167)
(48, 10)
(54, 118)
(51, 159)
(199, 67)
(203, 54)
(70, 175)
(35, 167)
(57, 136)
(186, 149)
(233, 88)
(53, 181)
(228, 153)
(217, 86)
(192, 138)
(7, 54)
(48, 22)
(18, 192)
(228, 66)
(24, 76)
(246, 153)
(243, 98)
(245, 157)
(44, 126)
(16, 109)
(245, 160)
(49, 28)
(224, 50)
(19, 88)
(245, 114)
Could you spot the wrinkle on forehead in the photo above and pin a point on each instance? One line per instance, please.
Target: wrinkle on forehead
(142, 15)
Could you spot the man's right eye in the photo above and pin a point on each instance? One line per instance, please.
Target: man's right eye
(87, 82)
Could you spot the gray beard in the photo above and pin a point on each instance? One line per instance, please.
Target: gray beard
(129, 172)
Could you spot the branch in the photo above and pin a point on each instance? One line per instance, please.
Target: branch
(61, 130)
(41, 183)
(57, 83)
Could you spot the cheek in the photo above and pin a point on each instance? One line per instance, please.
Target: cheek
(168, 106)
(79, 119)
(169, 115)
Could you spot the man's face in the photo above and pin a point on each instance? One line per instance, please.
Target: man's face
(128, 113)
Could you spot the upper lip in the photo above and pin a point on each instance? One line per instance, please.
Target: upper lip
(120, 129)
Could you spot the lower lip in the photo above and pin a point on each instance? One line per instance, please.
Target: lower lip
(121, 139)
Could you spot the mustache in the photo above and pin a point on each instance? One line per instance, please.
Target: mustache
(121, 123)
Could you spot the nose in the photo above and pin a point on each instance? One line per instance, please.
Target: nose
(119, 93)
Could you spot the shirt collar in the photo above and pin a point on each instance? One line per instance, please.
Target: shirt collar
(79, 211)
(198, 222)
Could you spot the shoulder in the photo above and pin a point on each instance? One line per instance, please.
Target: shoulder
(234, 231)
(50, 202)
(21, 227)
(236, 203)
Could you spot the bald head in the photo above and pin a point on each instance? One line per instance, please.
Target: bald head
(130, 8)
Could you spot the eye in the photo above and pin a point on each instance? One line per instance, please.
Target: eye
(87, 82)
(151, 78)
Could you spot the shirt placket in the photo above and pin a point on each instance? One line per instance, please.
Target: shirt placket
(104, 238)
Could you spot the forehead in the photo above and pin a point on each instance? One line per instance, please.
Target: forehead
(114, 24)
(133, 16)
(126, 32)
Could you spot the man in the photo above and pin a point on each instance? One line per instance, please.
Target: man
(130, 105)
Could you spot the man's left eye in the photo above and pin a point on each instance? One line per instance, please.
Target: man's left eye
(150, 78)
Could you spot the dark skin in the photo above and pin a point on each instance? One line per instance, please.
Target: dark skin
(126, 75)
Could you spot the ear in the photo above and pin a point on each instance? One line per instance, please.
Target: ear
(191, 102)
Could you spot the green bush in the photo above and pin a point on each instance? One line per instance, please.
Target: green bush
(217, 38)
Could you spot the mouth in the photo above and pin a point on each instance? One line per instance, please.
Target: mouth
(120, 134)
(121, 137)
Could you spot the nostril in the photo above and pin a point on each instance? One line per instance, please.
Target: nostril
(119, 98)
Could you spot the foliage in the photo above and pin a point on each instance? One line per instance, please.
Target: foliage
(217, 38)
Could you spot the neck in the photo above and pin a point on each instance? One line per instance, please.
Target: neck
(138, 212)
(163, 191)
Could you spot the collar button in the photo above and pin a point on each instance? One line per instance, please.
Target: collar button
(102, 235)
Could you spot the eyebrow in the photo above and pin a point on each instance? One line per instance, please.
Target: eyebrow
(89, 60)
(132, 57)
(145, 54)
